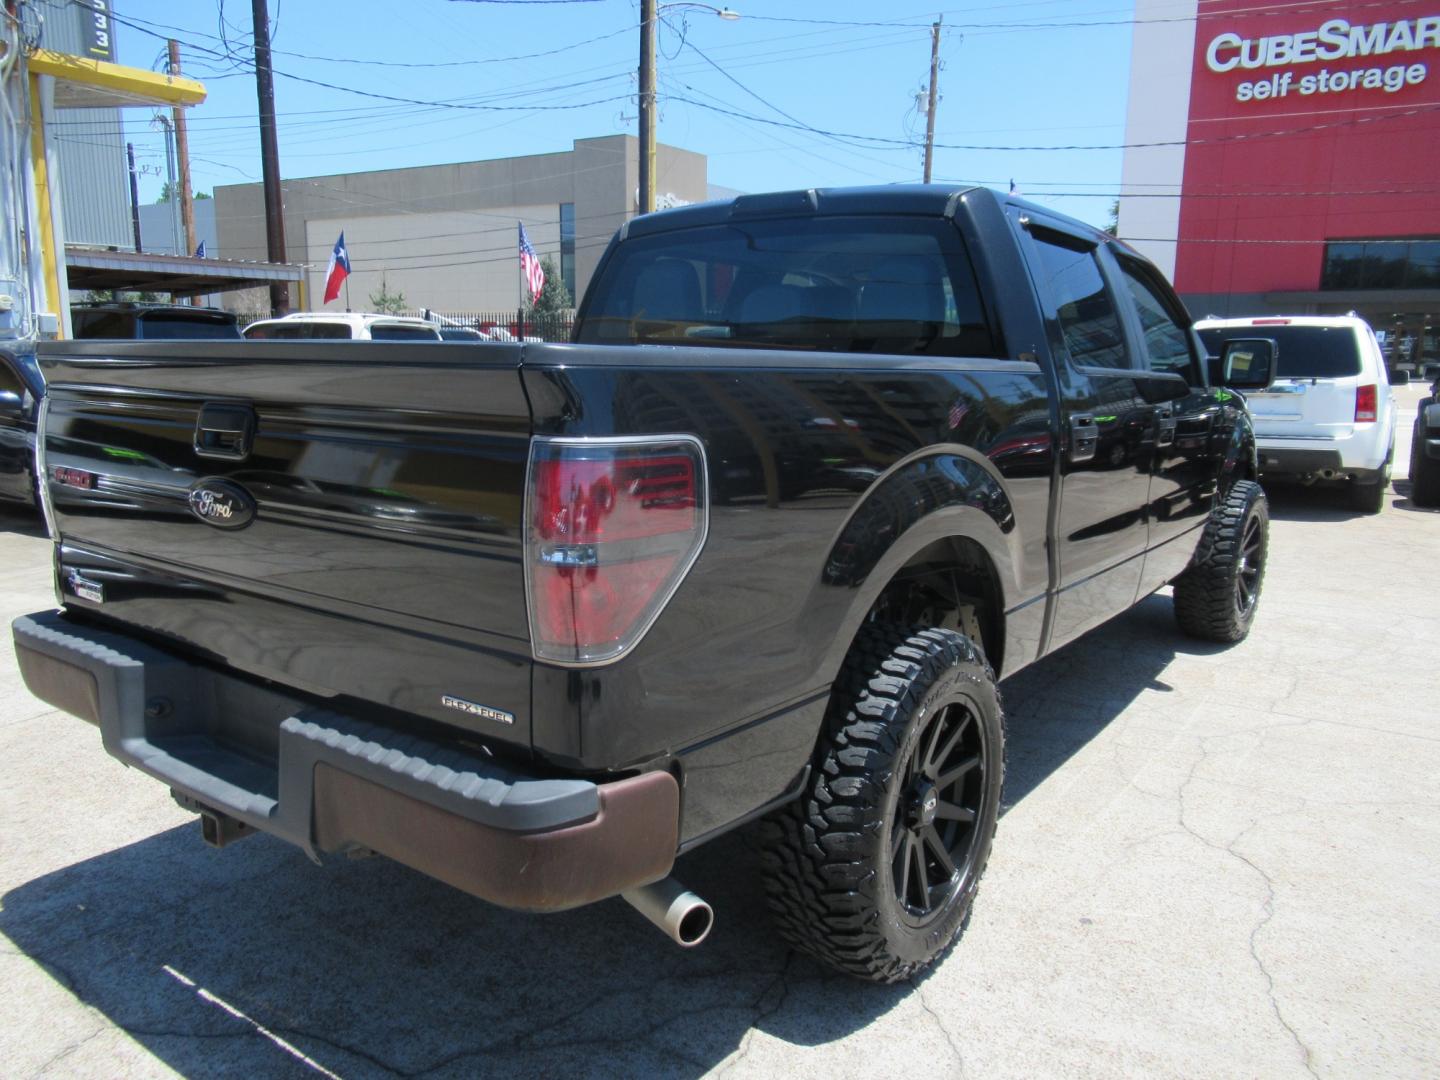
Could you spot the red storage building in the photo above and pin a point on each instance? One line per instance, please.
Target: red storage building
(1284, 158)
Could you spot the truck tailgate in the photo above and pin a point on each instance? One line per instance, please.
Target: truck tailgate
(341, 518)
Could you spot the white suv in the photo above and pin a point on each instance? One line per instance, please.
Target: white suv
(344, 326)
(1330, 415)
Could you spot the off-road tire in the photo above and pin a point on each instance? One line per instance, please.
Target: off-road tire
(829, 858)
(1424, 470)
(1216, 597)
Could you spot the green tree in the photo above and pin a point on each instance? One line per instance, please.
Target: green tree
(1113, 228)
(165, 194)
(551, 309)
(387, 302)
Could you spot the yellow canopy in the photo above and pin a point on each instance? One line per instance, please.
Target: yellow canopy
(82, 83)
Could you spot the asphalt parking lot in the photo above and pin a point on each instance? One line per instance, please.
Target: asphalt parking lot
(1214, 862)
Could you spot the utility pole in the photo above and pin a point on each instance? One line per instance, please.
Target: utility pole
(934, 80)
(134, 195)
(269, 154)
(177, 241)
(182, 152)
(647, 106)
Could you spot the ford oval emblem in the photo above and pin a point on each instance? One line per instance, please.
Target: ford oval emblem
(222, 504)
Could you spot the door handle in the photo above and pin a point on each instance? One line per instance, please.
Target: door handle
(1084, 437)
(1165, 424)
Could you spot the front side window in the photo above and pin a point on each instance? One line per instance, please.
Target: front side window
(1167, 341)
(1070, 276)
(842, 284)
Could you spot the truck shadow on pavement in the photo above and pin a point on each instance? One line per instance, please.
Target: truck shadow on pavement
(20, 520)
(252, 962)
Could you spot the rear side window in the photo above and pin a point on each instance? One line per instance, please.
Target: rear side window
(299, 331)
(1071, 278)
(843, 284)
(1306, 352)
(103, 324)
(10, 382)
(396, 332)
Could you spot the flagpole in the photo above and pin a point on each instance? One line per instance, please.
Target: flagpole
(347, 292)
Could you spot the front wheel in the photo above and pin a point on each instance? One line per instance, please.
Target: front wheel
(1216, 598)
(873, 870)
(1424, 470)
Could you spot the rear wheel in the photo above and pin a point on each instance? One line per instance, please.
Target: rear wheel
(1216, 598)
(1370, 498)
(873, 870)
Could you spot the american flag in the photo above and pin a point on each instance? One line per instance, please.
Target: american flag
(530, 265)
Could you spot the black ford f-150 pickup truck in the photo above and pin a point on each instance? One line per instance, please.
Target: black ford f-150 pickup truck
(818, 468)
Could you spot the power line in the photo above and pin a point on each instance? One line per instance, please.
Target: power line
(1214, 140)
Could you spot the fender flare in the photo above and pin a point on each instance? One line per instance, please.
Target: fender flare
(940, 493)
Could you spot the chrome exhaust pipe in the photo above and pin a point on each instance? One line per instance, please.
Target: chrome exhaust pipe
(684, 917)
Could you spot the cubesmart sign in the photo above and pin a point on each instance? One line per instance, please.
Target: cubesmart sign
(1323, 60)
(1308, 123)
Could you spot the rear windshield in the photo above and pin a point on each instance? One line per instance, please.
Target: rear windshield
(167, 327)
(887, 285)
(298, 331)
(394, 332)
(1306, 352)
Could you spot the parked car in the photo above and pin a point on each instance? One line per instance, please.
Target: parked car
(21, 388)
(460, 333)
(151, 322)
(1329, 418)
(342, 326)
(1425, 449)
(819, 470)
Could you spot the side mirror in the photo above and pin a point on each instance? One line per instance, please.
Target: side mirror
(1245, 364)
(12, 405)
(1399, 378)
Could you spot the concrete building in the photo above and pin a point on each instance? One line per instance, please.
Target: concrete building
(161, 234)
(445, 236)
(1293, 159)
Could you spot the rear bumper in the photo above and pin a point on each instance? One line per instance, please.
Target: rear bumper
(330, 783)
(1326, 459)
(1364, 450)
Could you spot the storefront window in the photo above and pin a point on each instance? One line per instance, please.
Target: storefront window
(1382, 264)
(567, 248)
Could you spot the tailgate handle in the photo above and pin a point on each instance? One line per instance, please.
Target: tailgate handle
(225, 432)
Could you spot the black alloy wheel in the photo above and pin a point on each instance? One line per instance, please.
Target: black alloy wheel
(1252, 566)
(932, 842)
(873, 870)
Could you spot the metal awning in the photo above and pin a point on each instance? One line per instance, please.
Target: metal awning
(83, 83)
(179, 275)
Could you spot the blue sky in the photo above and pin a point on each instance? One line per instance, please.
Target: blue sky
(1024, 74)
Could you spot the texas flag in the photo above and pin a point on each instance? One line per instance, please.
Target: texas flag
(338, 270)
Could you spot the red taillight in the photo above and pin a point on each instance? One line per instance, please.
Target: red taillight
(612, 526)
(1365, 404)
(1269, 322)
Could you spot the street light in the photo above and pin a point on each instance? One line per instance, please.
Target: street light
(649, 13)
